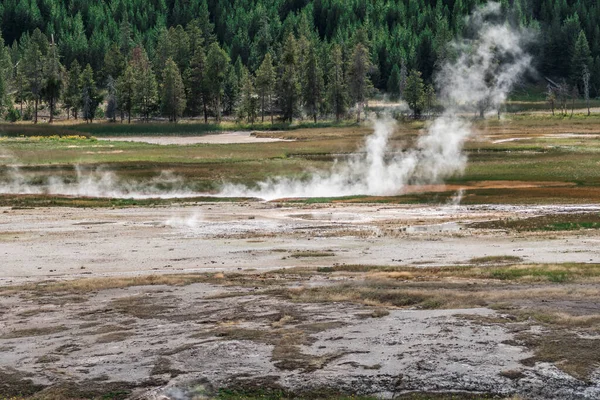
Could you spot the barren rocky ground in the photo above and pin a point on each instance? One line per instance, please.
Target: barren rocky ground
(179, 302)
(69, 242)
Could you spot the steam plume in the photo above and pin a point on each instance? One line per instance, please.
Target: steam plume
(96, 183)
(479, 79)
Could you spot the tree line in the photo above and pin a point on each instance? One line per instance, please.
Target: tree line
(192, 75)
(254, 58)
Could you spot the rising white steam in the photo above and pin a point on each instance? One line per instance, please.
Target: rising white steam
(191, 221)
(484, 71)
(95, 183)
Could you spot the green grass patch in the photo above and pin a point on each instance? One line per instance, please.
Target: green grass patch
(550, 222)
(571, 226)
(555, 273)
(21, 130)
(29, 201)
(516, 274)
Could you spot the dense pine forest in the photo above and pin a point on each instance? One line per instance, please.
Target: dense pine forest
(252, 59)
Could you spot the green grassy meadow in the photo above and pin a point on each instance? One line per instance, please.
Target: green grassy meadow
(553, 159)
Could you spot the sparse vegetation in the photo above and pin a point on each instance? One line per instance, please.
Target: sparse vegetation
(114, 337)
(496, 260)
(29, 332)
(524, 295)
(552, 222)
(307, 254)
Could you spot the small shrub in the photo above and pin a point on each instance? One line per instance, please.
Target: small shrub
(12, 115)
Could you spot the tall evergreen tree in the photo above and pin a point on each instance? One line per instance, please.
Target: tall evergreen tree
(288, 82)
(145, 88)
(32, 69)
(163, 50)
(393, 83)
(360, 84)
(126, 90)
(232, 87)
(197, 83)
(265, 85)
(173, 92)
(312, 87)
(414, 93)
(6, 71)
(90, 96)
(204, 23)
(581, 60)
(72, 93)
(53, 79)
(180, 44)
(337, 94)
(249, 99)
(114, 62)
(20, 87)
(125, 37)
(216, 63)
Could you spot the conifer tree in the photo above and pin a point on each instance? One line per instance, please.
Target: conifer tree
(90, 96)
(163, 50)
(173, 92)
(114, 62)
(232, 86)
(204, 23)
(312, 88)
(32, 69)
(19, 83)
(337, 95)
(359, 83)
(393, 83)
(429, 98)
(197, 84)
(414, 94)
(145, 88)
(288, 82)
(581, 59)
(5, 76)
(265, 84)
(126, 91)
(249, 103)
(179, 42)
(72, 93)
(125, 41)
(53, 79)
(216, 63)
